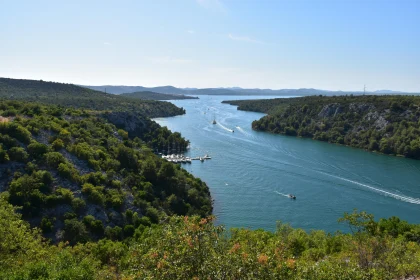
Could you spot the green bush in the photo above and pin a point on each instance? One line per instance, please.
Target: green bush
(114, 233)
(94, 194)
(65, 195)
(46, 225)
(54, 159)
(78, 205)
(16, 131)
(58, 144)
(18, 154)
(4, 157)
(153, 214)
(37, 150)
(67, 170)
(75, 231)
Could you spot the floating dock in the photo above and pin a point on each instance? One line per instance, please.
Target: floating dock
(183, 159)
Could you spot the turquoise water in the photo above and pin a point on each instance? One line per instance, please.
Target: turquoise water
(251, 173)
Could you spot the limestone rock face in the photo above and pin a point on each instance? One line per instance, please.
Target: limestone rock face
(330, 110)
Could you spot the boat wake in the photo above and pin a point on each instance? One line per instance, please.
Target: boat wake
(224, 127)
(286, 195)
(242, 130)
(383, 192)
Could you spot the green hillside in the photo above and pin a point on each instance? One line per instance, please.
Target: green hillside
(78, 177)
(387, 124)
(80, 97)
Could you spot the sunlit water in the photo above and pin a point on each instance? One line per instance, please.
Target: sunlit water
(251, 173)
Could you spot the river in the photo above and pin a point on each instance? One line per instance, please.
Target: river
(251, 173)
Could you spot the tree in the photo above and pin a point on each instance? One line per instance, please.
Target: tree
(166, 171)
(149, 170)
(75, 231)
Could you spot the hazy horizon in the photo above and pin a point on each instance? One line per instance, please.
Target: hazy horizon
(230, 87)
(321, 44)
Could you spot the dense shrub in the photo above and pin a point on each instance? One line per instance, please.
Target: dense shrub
(18, 154)
(37, 150)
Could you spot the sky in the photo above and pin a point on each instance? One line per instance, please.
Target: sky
(324, 44)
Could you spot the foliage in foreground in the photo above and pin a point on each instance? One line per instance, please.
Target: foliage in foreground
(194, 248)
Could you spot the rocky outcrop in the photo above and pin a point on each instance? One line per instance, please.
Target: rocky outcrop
(379, 121)
(43, 136)
(330, 110)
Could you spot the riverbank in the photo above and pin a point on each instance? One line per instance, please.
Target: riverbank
(386, 124)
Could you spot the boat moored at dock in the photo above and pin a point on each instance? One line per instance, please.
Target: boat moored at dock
(179, 158)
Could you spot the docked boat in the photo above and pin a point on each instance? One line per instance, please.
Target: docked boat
(201, 159)
(207, 157)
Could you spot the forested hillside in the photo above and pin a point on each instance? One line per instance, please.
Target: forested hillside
(80, 97)
(78, 177)
(387, 124)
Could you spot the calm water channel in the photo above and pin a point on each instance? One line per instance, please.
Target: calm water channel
(251, 173)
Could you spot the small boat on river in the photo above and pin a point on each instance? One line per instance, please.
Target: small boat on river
(292, 196)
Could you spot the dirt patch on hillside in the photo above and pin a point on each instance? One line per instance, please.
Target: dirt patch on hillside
(3, 119)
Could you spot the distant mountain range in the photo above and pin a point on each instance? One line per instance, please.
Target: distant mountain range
(234, 91)
(150, 95)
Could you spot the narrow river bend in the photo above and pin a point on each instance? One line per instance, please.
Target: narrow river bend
(251, 173)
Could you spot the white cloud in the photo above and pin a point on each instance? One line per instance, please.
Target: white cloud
(191, 31)
(107, 43)
(169, 60)
(244, 39)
